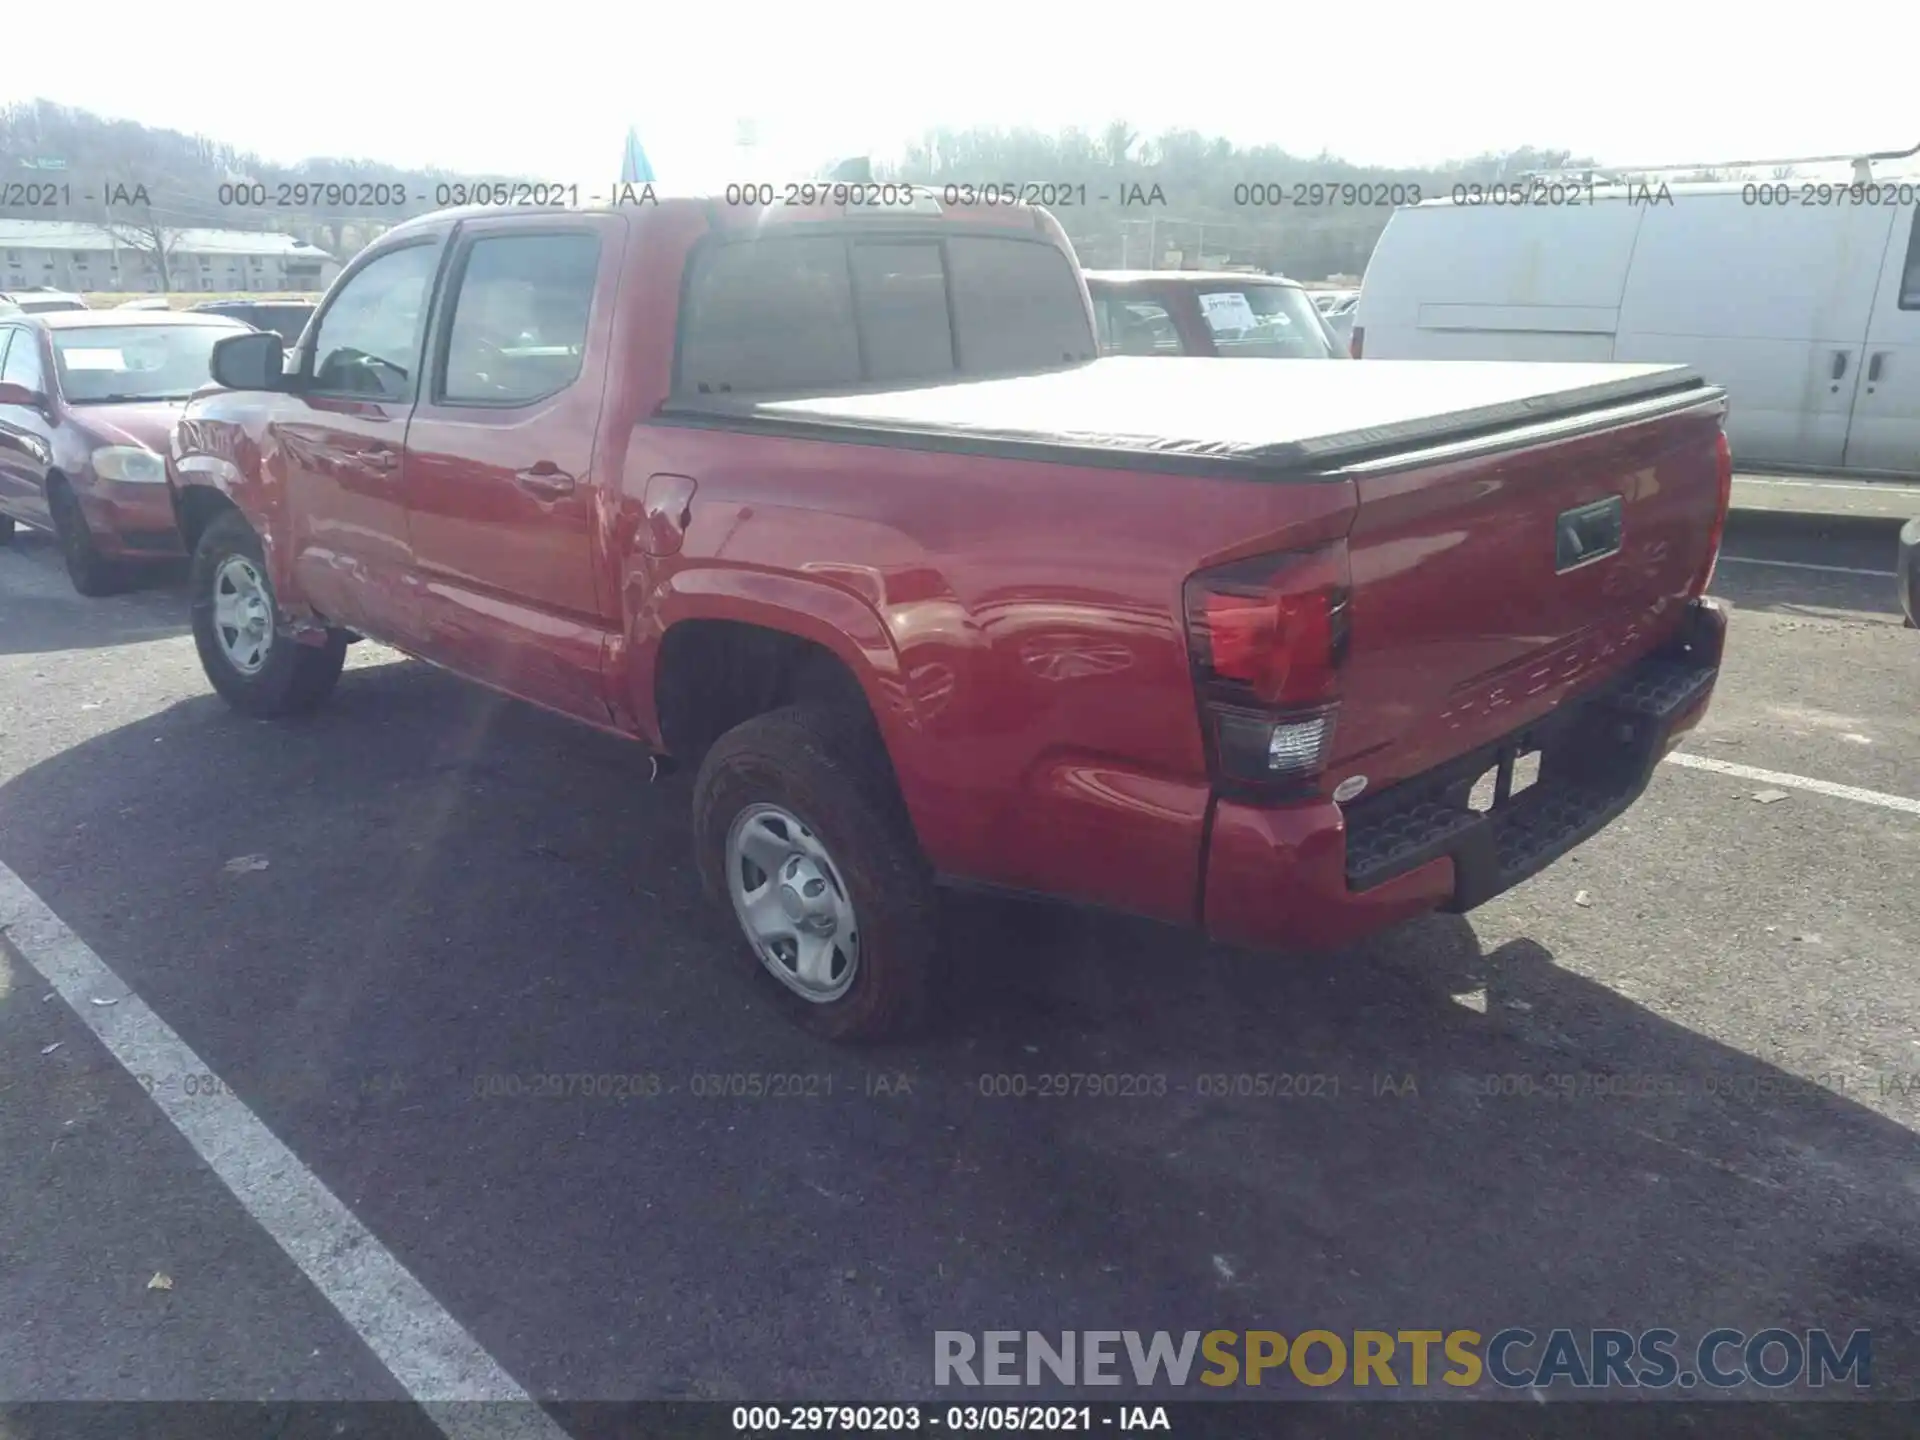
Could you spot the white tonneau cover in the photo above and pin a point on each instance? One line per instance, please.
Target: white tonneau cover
(1267, 413)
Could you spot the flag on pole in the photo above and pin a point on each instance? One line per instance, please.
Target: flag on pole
(634, 169)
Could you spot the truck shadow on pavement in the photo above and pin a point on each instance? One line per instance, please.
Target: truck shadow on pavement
(477, 991)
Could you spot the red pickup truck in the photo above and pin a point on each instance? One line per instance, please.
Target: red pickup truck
(840, 505)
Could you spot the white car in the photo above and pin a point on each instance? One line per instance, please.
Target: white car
(39, 302)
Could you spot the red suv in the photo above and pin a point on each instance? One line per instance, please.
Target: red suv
(87, 401)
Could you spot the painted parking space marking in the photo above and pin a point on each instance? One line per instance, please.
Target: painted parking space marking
(1796, 782)
(441, 1366)
(1888, 487)
(1805, 565)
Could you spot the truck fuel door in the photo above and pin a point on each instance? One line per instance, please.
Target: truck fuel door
(666, 509)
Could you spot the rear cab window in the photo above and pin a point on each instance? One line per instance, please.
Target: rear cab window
(796, 312)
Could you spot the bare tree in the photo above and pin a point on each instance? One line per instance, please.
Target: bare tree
(1116, 140)
(137, 226)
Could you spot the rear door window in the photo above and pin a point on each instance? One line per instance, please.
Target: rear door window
(520, 318)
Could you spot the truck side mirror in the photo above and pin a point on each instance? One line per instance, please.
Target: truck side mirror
(11, 394)
(249, 362)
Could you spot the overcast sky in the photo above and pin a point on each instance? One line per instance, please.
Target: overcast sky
(548, 89)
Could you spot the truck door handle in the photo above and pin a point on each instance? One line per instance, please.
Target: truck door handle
(381, 457)
(546, 478)
(1873, 366)
(1839, 364)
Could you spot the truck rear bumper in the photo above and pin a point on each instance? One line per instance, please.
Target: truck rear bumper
(1317, 875)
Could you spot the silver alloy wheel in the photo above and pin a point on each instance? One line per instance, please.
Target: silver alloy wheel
(792, 903)
(242, 614)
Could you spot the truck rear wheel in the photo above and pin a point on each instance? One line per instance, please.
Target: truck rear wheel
(258, 669)
(800, 830)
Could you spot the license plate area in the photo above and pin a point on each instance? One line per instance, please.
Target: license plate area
(1516, 769)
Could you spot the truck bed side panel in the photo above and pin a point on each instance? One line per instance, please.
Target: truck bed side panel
(1048, 738)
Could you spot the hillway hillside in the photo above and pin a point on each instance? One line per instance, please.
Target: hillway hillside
(1180, 200)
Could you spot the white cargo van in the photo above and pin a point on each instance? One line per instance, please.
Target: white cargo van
(1807, 311)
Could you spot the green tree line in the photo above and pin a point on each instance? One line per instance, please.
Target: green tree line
(146, 184)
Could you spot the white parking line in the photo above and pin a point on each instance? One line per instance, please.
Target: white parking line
(439, 1364)
(1796, 782)
(1804, 565)
(1889, 487)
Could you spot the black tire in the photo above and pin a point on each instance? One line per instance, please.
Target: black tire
(93, 575)
(828, 768)
(6, 529)
(295, 678)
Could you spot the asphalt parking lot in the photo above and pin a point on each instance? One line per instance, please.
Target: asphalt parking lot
(1674, 1080)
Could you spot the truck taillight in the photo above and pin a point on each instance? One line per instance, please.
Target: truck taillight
(1723, 462)
(1268, 638)
(1357, 342)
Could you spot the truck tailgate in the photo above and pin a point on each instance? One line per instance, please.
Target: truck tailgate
(1490, 580)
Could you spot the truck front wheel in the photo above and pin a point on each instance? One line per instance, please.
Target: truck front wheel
(258, 668)
(800, 830)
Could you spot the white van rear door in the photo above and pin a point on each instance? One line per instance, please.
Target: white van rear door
(1458, 281)
(1769, 301)
(1885, 433)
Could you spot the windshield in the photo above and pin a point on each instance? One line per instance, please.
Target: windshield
(1270, 320)
(136, 362)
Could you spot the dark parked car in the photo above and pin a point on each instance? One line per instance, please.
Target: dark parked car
(87, 403)
(285, 318)
(1197, 312)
